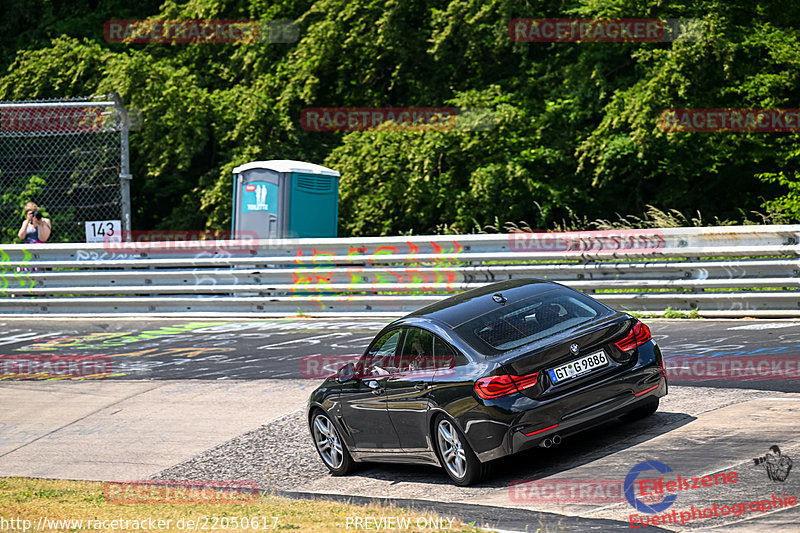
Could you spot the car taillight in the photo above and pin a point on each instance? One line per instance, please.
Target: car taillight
(504, 384)
(638, 335)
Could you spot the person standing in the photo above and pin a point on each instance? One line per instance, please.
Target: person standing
(35, 228)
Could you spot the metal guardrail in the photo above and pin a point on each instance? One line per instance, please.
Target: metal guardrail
(720, 271)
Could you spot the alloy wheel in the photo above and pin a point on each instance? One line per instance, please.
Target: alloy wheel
(451, 448)
(328, 442)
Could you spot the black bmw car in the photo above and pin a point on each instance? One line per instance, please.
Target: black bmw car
(485, 374)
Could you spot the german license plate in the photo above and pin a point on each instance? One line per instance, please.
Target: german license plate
(578, 367)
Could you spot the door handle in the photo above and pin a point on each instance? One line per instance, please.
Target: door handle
(421, 386)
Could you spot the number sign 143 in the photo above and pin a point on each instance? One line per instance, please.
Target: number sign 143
(104, 231)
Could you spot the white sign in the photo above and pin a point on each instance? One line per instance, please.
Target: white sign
(104, 231)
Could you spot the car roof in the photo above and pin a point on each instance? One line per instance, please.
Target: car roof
(457, 309)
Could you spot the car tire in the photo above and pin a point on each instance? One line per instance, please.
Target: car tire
(330, 445)
(455, 454)
(642, 411)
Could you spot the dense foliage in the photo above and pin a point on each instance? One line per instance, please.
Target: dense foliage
(573, 133)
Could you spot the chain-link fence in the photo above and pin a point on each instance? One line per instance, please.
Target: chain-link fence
(67, 156)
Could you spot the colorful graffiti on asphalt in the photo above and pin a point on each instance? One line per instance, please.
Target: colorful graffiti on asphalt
(191, 350)
(56, 356)
(96, 341)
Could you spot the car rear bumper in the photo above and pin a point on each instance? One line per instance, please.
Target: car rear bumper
(528, 421)
(528, 437)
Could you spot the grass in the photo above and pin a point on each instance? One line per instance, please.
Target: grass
(29, 499)
(652, 218)
(667, 313)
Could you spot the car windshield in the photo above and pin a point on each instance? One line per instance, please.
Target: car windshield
(529, 320)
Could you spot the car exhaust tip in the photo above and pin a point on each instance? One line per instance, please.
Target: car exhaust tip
(556, 440)
(546, 443)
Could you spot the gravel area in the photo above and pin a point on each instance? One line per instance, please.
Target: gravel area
(280, 455)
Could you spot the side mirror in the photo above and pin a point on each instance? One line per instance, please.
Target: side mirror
(346, 373)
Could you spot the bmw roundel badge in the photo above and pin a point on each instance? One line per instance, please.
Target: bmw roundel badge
(574, 348)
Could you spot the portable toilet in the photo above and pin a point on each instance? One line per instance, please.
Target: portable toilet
(280, 199)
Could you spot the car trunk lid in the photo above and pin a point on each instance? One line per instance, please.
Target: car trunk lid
(567, 347)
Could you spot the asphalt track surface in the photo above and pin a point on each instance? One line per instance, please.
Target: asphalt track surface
(706, 416)
(294, 349)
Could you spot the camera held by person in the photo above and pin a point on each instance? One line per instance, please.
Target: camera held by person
(36, 227)
(777, 465)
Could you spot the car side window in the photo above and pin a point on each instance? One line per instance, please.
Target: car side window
(380, 360)
(445, 356)
(417, 352)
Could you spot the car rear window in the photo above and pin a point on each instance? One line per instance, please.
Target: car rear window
(530, 319)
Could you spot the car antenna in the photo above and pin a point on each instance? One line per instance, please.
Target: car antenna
(499, 298)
